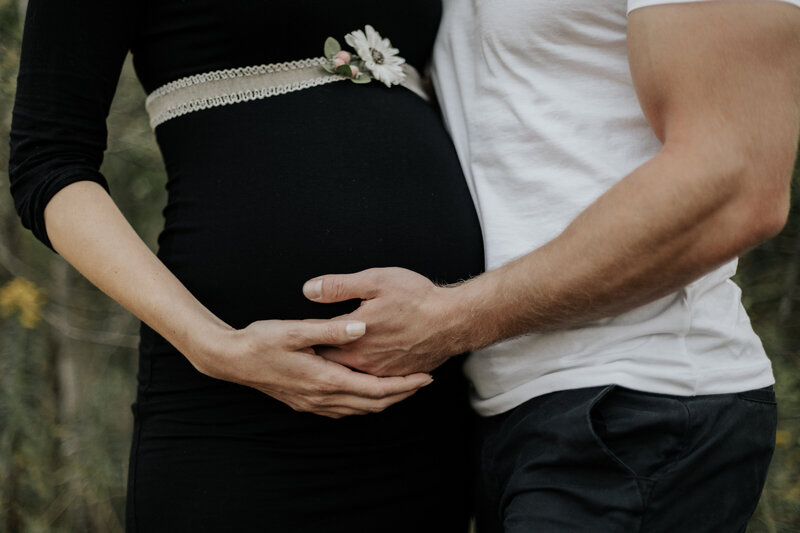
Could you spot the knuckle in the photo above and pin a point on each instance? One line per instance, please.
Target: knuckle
(333, 287)
(299, 407)
(252, 338)
(321, 400)
(293, 334)
(332, 331)
(322, 388)
(380, 391)
(376, 275)
(261, 330)
(362, 363)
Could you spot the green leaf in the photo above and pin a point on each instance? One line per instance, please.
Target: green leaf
(344, 70)
(332, 47)
(327, 67)
(362, 78)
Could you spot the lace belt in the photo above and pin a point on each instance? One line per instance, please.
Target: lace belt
(223, 87)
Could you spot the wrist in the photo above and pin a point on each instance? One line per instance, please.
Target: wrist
(207, 344)
(459, 307)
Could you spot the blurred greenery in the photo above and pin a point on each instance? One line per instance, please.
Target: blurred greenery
(67, 353)
(68, 359)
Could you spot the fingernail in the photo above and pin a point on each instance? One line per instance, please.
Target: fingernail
(430, 380)
(356, 329)
(313, 289)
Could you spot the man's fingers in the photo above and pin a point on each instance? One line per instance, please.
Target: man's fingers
(336, 355)
(340, 287)
(346, 381)
(303, 334)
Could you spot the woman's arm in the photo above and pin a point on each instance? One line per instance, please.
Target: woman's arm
(72, 54)
(88, 230)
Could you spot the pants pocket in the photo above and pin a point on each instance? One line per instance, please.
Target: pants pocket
(643, 433)
(765, 395)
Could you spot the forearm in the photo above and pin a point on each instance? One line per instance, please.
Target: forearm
(274, 357)
(671, 221)
(690, 209)
(722, 98)
(719, 186)
(88, 230)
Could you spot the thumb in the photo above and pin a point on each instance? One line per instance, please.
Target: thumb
(329, 332)
(340, 287)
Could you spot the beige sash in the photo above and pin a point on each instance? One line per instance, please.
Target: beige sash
(224, 87)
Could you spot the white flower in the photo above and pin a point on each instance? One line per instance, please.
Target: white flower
(377, 55)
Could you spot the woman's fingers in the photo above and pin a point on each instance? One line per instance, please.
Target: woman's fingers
(299, 334)
(369, 405)
(344, 380)
(338, 390)
(348, 405)
(281, 363)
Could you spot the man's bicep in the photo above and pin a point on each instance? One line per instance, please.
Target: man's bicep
(724, 75)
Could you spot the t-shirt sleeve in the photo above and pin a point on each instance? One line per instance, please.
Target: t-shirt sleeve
(635, 4)
(72, 55)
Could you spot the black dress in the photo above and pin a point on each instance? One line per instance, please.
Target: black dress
(264, 195)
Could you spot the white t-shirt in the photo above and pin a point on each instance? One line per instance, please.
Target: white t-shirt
(539, 100)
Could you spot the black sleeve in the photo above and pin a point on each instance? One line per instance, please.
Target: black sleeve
(72, 54)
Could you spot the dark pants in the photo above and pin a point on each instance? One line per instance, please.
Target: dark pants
(610, 459)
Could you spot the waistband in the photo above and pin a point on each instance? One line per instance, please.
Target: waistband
(244, 84)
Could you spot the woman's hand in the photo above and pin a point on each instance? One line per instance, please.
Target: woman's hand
(276, 357)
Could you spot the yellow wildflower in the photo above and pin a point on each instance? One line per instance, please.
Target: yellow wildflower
(22, 296)
(783, 438)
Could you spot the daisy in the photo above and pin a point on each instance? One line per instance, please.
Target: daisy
(377, 55)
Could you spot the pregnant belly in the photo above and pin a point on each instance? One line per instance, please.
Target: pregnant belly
(265, 195)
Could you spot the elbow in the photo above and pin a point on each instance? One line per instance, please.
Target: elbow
(20, 189)
(34, 182)
(764, 224)
(762, 208)
(755, 183)
(769, 219)
(744, 202)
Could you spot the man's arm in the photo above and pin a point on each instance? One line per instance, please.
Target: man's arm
(719, 83)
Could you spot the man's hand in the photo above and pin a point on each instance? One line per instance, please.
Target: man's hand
(719, 83)
(407, 325)
(276, 357)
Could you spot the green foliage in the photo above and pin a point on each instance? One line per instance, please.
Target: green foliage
(332, 47)
(66, 385)
(770, 281)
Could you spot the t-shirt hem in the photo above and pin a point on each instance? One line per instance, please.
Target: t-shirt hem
(716, 381)
(636, 4)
